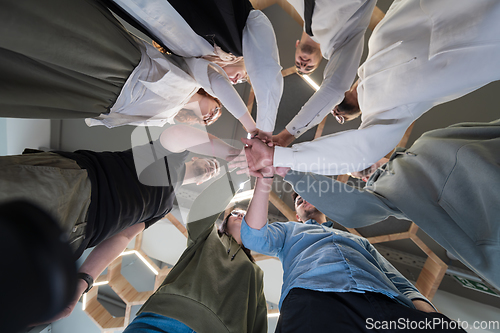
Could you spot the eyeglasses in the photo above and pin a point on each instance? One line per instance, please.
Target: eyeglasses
(297, 69)
(238, 213)
(338, 117)
(213, 165)
(212, 115)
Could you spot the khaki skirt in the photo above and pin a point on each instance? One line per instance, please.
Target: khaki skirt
(62, 59)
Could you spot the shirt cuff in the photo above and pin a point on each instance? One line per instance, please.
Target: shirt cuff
(422, 298)
(294, 129)
(283, 157)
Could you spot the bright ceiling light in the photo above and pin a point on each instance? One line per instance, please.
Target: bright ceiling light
(273, 315)
(84, 302)
(124, 253)
(311, 82)
(101, 283)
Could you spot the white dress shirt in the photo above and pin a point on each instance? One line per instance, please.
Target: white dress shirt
(423, 53)
(259, 50)
(157, 89)
(339, 28)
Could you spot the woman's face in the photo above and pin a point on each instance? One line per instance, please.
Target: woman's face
(209, 108)
(237, 72)
(234, 223)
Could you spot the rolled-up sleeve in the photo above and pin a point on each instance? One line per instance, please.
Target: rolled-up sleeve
(268, 240)
(263, 67)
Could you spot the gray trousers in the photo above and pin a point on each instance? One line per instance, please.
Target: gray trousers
(62, 59)
(55, 183)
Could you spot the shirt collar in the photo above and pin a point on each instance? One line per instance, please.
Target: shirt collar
(328, 224)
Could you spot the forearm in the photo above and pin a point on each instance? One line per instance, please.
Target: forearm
(339, 75)
(107, 251)
(262, 63)
(247, 121)
(348, 151)
(181, 137)
(316, 109)
(256, 216)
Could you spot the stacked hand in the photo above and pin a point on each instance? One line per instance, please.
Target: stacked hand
(257, 159)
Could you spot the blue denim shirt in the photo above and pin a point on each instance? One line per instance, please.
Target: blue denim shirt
(318, 257)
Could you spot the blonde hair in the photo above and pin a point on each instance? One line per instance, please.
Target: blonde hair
(222, 58)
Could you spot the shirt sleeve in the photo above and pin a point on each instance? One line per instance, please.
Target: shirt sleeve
(225, 91)
(261, 56)
(269, 240)
(352, 150)
(337, 79)
(398, 280)
(350, 206)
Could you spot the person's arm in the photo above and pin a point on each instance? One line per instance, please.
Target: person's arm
(97, 261)
(256, 234)
(350, 206)
(229, 97)
(352, 150)
(108, 250)
(161, 19)
(338, 78)
(179, 138)
(399, 281)
(256, 216)
(261, 56)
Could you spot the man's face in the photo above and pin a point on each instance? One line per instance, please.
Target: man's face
(304, 209)
(205, 169)
(307, 58)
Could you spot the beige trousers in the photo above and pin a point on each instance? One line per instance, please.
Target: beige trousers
(55, 183)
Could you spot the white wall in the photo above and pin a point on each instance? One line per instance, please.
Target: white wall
(17, 134)
(459, 308)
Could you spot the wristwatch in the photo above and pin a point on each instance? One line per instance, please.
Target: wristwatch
(87, 278)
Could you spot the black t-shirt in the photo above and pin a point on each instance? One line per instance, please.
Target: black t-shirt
(119, 198)
(219, 21)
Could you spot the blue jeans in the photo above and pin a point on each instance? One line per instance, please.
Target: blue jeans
(148, 322)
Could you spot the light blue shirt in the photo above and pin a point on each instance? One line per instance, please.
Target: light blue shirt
(319, 257)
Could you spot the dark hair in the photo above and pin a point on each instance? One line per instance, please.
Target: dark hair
(294, 196)
(345, 108)
(187, 116)
(222, 230)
